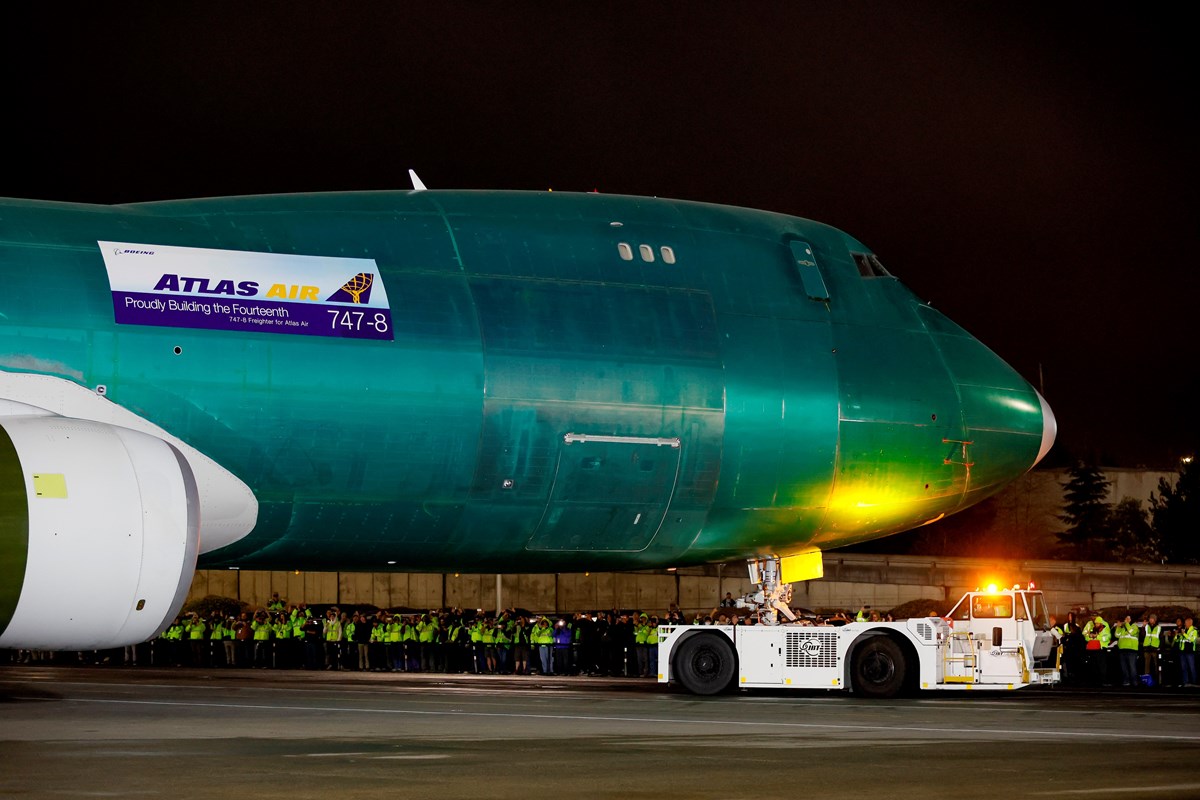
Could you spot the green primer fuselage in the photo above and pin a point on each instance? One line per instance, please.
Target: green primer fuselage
(786, 421)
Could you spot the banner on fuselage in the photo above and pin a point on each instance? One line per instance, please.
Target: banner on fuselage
(237, 290)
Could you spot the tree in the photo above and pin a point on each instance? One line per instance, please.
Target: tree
(1133, 540)
(1086, 512)
(1175, 510)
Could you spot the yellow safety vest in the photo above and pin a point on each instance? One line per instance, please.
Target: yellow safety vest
(1127, 636)
(1152, 635)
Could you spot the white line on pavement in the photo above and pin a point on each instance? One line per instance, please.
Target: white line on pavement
(657, 720)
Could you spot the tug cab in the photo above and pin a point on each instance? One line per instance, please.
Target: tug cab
(1016, 625)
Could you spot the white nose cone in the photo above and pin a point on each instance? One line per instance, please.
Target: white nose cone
(1049, 429)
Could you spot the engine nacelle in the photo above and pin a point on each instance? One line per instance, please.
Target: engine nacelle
(98, 533)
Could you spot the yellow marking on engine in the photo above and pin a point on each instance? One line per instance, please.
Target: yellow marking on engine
(51, 485)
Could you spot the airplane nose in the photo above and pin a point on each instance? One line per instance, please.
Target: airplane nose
(1049, 428)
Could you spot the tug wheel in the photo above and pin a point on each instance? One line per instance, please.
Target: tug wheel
(705, 663)
(879, 668)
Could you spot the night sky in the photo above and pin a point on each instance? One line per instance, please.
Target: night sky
(1029, 170)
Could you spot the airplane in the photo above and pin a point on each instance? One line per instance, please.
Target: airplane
(439, 380)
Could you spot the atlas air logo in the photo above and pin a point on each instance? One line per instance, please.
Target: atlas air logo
(810, 647)
(355, 290)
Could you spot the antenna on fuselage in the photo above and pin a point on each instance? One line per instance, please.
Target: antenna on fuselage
(417, 185)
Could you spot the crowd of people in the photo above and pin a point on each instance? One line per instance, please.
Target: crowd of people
(612, 643)
(1146, 652)
(449, 640)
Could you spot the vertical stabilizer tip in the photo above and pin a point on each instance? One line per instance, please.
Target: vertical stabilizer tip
(417, 185)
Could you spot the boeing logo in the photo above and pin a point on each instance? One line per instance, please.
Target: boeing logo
(121, 251)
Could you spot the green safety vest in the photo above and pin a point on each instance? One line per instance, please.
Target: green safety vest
(393, 632)
(652, 635)
(1152, 635)
(1127, 636)
(1105, 635)
(333, 630)
(262, 630)
(1187, 640)
(640, 633)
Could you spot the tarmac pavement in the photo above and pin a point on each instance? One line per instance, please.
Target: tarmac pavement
(182, 733)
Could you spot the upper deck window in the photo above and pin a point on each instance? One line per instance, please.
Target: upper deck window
(626, 251)
(668, 255)
(647, 252)
(869, 266)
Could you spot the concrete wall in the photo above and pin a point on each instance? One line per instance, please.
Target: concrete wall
(561, 592)
(850, 581)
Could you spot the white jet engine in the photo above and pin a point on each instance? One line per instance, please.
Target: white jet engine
(99, 532)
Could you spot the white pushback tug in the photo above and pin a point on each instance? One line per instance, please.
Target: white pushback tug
(993, 639)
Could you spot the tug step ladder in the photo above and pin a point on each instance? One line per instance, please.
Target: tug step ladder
(959, 660)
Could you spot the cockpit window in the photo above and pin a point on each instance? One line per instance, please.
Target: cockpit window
(869, 266)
